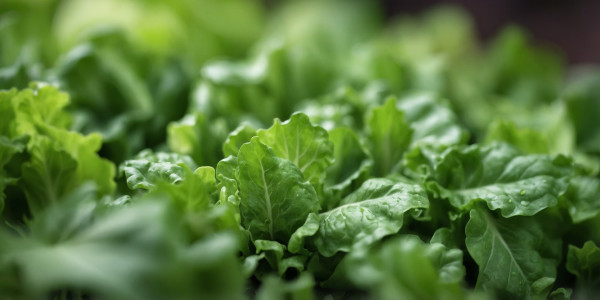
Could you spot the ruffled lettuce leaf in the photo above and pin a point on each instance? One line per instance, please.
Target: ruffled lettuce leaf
(498, 174)
(275, 196)
(57, 160)
(302, 143)
(148, 167)
(364, 217)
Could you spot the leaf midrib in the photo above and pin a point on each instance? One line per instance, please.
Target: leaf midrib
(498, 235)
(267, 199)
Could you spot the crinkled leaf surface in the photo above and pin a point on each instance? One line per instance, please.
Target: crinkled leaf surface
(147, 168)
(195, 191)
(375, 210)
(432, 120)
(500, 175)
(227, 183)
(59, 160)
(304, 144)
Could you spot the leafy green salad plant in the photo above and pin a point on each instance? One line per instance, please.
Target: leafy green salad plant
(300, 150)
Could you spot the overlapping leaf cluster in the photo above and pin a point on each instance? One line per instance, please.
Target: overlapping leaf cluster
(335, 158)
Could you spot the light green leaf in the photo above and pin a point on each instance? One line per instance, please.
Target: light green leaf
(7, 112)
(304, 144)
(237, 138)
(147, 168)
(84, 150)
(37, 105)
(516, 257)
(275, 197)
(525, 139)
(48, 175)
(8, 149)
(228, 186)
(375, 210)
(389, 137)
(60, 160)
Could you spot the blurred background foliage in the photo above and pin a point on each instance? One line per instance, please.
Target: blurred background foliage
(133, 67)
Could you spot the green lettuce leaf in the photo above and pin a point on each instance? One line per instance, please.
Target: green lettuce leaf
(432, 120)
(389, 137)
(372, 212)
(560, 294)
(8, 149)
(304, 144)
(583, 198)
(275, 197)
(525, 139)
(58, 160)
(497, 174)
(148, 167)
(517, 258)
(278, 258)
(198, 137)
(48, 175)
(195, 190)
(227, 183)
(351, 163)
(237, 138)
(584, 263)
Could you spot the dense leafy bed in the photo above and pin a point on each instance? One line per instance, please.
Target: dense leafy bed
(411, 162)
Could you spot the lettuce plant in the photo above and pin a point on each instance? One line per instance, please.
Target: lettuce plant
(304, 150)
